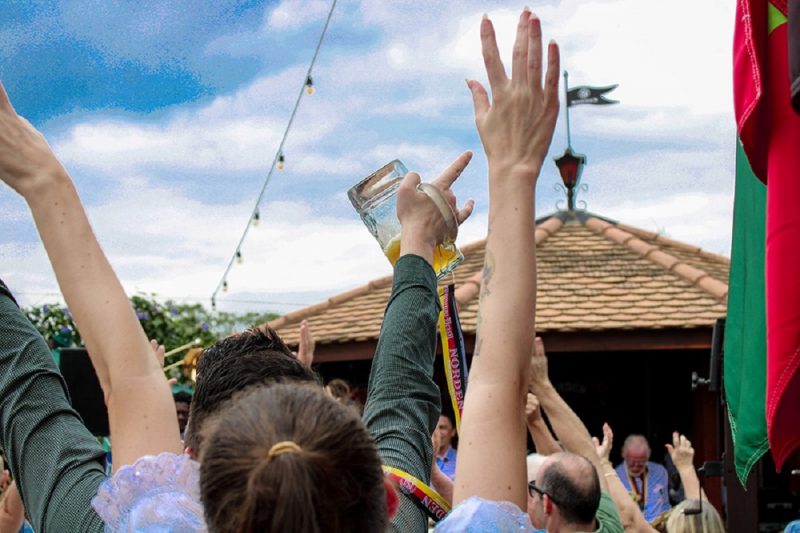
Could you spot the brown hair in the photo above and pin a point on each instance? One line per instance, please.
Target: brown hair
(333, 482)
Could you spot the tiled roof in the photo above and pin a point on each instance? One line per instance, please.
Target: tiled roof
(594, 275)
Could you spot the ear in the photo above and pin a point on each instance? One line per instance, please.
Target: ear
(547, 503)
(392, 498)
(190, 452)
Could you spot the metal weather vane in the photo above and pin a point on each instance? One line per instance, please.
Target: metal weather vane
(570, 164)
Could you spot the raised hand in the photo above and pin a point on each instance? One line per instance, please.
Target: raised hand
(533, 411)
(538, 366)
(421, 219)
(305, 349)
(26, 159)
(681, 451)
(603, 448)
(517, 126)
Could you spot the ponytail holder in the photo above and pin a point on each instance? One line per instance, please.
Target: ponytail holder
(285, 446)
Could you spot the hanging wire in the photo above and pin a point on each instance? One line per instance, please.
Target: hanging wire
(255, 214)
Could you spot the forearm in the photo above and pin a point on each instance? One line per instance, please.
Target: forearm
(442, 484)
(403, 401)
(136, 392)
(92, 291)
(567, 425)
(690, 482)
(498, 378)
(544, 441)
(629, 512)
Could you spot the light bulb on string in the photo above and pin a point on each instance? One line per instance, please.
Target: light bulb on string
(310, 86)
(213, 304)
(225, 286)
(281, 161)
(238, 257)
(256, 217)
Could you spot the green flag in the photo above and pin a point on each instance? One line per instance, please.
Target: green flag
(745, 328)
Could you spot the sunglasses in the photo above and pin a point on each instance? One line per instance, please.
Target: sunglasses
(532, 488)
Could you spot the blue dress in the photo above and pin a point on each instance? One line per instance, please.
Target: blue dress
(156, 494)
(476, 515)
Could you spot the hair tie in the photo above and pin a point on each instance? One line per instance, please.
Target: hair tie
(285, 446)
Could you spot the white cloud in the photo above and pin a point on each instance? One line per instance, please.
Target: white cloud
(294, 13)
(661, 160)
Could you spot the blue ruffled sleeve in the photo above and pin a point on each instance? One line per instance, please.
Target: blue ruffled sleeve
(157, 494)
(476, 515)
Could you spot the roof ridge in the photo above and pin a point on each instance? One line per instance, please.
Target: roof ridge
(677, 244)
(470, 288)
(697, 277)
(334, 300)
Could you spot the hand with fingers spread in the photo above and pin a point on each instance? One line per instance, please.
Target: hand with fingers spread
(681, 451)
(517, 126)
(421, 219)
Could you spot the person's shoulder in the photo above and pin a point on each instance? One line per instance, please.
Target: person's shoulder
(656, 468)
(608, 518)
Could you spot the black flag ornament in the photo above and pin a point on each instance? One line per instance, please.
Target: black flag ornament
(584, 94)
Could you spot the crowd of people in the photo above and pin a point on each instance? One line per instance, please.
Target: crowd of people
(265, 447)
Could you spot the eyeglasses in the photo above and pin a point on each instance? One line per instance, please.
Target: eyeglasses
(532, 488)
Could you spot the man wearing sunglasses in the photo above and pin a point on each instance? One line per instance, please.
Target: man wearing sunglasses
(567, 495)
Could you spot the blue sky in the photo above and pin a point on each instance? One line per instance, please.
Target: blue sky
(168, 116)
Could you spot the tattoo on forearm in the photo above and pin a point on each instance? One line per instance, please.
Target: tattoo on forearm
(488, 272)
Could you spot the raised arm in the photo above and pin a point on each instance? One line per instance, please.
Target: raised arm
(566, 424)
(682, 455)
(631, 516)
(403, 401)
(140, 407)
(515, 129)
(543, 439)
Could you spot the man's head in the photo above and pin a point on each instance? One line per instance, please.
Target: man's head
(566, 492)
(183, 403)
(254, 357)
(445, 431)
(636, 453)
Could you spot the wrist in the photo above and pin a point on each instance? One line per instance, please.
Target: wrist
(46, 185)
(412, 242)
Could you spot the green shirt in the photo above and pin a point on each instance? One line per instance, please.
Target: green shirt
(608, 520)
(403, 402)
(56, 462)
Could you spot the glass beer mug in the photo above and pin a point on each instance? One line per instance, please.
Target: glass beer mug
(375, 199)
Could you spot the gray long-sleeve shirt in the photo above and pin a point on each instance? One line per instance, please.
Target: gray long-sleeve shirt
(56, 462)
(403, 401)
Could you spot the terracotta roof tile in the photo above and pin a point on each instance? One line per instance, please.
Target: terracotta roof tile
(593, 275)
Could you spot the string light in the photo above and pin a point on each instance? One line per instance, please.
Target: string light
(279, 162)
(238, 257)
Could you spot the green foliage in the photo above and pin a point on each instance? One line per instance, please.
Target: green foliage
(170, 323)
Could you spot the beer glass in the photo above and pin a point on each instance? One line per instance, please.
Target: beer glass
(375, 200)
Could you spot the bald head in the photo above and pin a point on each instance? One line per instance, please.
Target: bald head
(572, 483)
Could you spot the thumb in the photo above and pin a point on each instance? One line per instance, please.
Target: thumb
(5, 103)
(670, 449)
(480, 99)
(595, 441)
